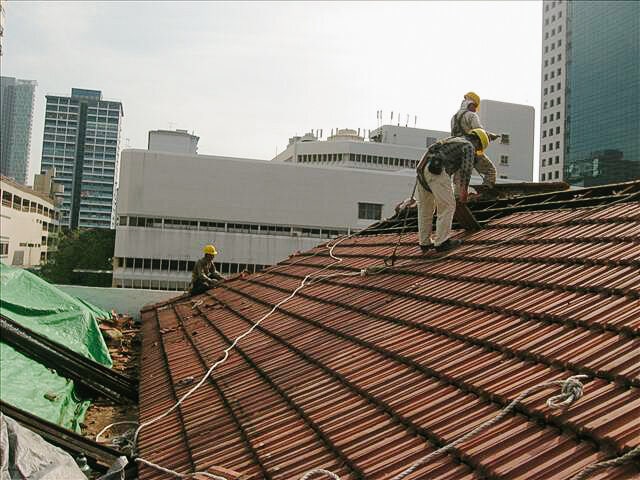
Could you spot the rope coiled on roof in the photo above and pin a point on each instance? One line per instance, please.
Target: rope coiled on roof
(571, 391)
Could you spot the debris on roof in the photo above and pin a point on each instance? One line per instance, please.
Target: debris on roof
(501, 206)
(41, 314)
(369, 368)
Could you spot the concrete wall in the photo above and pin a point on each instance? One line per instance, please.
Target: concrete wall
(122, 300)
(517, 121)
(207, 187)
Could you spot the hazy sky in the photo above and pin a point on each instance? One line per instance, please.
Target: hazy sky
(245, 76)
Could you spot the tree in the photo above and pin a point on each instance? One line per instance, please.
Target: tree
(87, 249)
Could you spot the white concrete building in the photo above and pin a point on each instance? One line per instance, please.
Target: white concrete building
(256, 212)
(553, 73)
(29, 223)
(512, 154)
(389, 148)
(392, 147)
(175, 141)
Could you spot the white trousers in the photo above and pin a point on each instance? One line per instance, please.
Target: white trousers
(440, 200)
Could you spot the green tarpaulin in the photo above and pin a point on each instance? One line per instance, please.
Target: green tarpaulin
(35, 304)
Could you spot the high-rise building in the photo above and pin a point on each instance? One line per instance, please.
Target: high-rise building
(590, 88)
(16, 119)
(82, 142)
(2, 8)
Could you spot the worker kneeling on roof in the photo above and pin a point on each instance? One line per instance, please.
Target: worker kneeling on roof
(205, 275)
(436, 170)
(465, 120)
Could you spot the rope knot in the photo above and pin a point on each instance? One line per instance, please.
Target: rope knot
(572, 390)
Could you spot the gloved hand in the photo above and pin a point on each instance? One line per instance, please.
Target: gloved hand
(493, 136)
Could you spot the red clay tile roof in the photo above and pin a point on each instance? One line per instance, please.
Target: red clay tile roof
(363, 375)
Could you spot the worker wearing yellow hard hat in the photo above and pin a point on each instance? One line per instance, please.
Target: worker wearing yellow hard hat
(205, 275)
(465, 120)
(443, 161)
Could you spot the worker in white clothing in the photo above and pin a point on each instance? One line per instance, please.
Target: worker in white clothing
(445, 160)
(465, 120)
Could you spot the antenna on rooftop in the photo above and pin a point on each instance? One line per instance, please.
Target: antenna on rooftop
(415, 121)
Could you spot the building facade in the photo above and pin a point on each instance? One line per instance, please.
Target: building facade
(174, 141)
(256, 212)
(16, 119)
(590, 89)
(82, 143)
(512, 153)
(29, 224)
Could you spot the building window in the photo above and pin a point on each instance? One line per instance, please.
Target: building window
(559, 71)
(558, 100)
(546, 91)
(544, 148)
(369, 211)
(557, 159)
(557, 115)
(552, 74)
(504, 160)
(542, 177)
(557, 145)
(544, 134)
(559, 28)
(4, 249)
(551, 103)
(546, 76)
(556, 174)
(557, 130)
(544, 119)
(559, 56)
(544, 162)
(505, 139)
(546, 49)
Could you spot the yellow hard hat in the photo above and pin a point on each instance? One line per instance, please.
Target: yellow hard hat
(210, 250)
(474, 97)
(482, 135)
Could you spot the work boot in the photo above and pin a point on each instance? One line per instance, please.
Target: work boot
(447, 245)
(426, 248)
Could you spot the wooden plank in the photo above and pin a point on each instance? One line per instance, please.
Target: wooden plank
(465, 218)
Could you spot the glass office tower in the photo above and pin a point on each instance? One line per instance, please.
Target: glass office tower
(603, 96)
(16, 118)
(590, 107)
(81, 141)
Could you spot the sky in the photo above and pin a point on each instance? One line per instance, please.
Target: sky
(246, 76)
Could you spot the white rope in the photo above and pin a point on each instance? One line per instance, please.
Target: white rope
(235, 342)
(211, 369)
(176, 474)
(320, 471)
(108, 427)
(571, 391)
